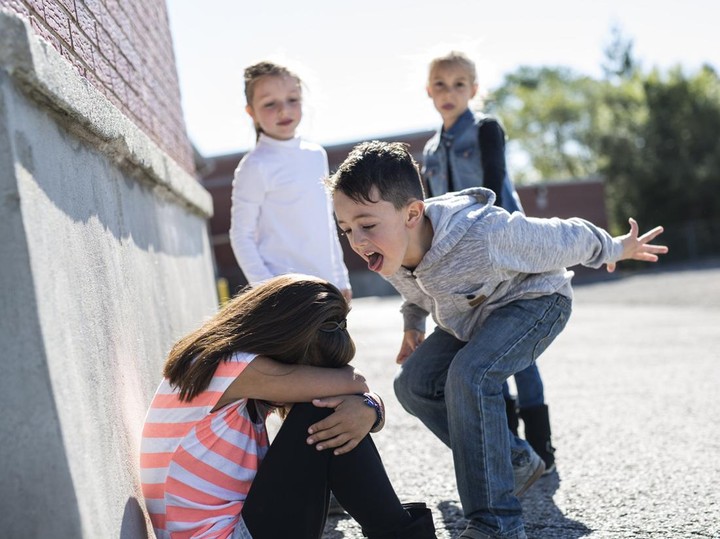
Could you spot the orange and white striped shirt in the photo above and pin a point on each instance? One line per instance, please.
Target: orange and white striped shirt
(197, 467)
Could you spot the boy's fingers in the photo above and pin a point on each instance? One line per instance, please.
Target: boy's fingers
(651, 235)
(658, 249)
(633, 227)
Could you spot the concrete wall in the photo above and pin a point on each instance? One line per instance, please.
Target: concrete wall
(104, 263)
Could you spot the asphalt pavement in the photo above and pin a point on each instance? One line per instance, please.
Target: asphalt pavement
(633, 387)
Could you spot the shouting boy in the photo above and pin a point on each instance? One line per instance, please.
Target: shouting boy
(498, 291)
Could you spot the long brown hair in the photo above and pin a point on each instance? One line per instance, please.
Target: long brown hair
(295, 319)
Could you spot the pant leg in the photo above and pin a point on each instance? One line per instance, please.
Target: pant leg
(509, 340)
(506, 390)
(289, 495)
(530, 388)
(361, 485)
(420, 387)
(420, 382)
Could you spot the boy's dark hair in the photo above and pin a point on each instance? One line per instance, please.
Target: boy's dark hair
(385, 165)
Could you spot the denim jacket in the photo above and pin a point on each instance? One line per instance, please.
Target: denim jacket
(462, 148)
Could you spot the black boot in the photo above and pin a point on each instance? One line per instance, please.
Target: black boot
(512, 414)
(421, 527)
(537, 433)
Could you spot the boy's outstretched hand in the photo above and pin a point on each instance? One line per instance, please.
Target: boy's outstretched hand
(640, 248)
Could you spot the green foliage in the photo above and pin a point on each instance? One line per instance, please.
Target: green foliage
(550, 114)
(654, 137)
(671, 174)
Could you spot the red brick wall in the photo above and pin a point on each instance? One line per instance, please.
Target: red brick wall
(124, 48)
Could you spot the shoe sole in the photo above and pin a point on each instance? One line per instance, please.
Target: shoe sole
(537, 474)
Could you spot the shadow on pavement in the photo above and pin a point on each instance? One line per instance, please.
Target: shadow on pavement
(543, 519)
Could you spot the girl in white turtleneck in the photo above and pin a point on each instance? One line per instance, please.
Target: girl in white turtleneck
(281, 220)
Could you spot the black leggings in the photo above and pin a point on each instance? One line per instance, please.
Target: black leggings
(290, 493)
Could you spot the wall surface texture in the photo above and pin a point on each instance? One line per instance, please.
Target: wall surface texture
(125, 51)
(104, 263)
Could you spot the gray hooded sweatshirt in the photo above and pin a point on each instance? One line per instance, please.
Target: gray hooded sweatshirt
(483, 258)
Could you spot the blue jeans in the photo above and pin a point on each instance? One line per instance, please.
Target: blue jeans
(455, 389)
(530, 390)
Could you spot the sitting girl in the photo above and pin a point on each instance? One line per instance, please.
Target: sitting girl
(207, 467)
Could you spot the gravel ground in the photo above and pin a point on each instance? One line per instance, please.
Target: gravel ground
(632, 386)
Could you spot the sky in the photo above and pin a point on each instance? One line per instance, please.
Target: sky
(364, 63)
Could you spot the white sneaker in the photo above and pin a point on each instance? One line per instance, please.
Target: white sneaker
(527, 473)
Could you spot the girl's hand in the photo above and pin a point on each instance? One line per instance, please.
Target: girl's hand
(639, 248)
(347, 294)
(345, 427)
(411, 340)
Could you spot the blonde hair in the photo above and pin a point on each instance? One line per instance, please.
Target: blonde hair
(255, 72)
(456, 58)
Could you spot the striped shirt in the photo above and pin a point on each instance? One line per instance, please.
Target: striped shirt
(196, 466)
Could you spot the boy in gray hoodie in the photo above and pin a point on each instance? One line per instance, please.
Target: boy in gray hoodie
(496, 286)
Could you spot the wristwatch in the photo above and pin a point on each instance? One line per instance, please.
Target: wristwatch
(369, 399)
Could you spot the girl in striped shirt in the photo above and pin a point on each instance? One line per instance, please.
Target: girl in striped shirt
(207, 468)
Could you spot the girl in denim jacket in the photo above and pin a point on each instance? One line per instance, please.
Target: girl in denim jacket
(469, 151)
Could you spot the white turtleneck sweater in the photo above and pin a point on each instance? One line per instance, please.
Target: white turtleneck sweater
(282, 218)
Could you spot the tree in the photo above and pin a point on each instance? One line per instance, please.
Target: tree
(654, 137)
(619, 59)
(550, 116)
(661, 160)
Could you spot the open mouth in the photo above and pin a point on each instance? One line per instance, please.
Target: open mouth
(375, 261)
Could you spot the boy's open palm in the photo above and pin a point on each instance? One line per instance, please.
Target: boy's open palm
(639, 248)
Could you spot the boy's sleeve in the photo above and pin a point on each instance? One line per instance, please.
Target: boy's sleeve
(414, 317)
(532, 245)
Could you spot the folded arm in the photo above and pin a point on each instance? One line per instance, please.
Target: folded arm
(273, 381)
